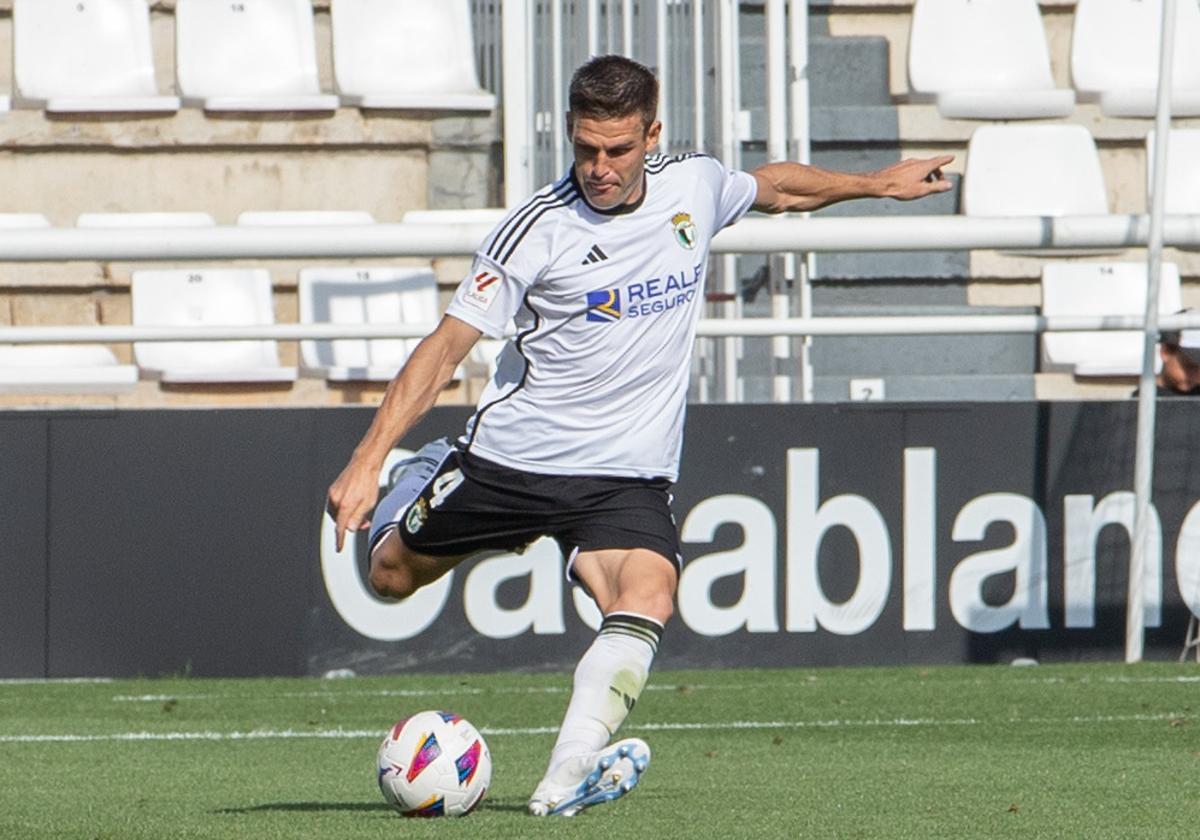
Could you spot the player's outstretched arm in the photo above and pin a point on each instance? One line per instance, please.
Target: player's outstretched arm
(788, 186)
(409, 396)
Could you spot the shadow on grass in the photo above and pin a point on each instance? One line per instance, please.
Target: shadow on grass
(306, 807)
(511, 805)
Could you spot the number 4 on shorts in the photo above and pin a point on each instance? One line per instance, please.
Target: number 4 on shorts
(443, 486)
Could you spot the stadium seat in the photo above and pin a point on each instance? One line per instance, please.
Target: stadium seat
(1115, 56)
(62, 368)
(144, 220)
(23, 220)
(983, 59)
(364, 296)
(252, 55)
(480, 215)
(1033, 170)
(1090, 288)
(302, 218)
(1183, 170)
(207, 298)
(71, 57)
(417, 54)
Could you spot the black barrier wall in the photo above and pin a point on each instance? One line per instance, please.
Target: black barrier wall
(152, 542)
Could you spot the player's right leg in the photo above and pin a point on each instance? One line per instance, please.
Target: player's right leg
(396, 570)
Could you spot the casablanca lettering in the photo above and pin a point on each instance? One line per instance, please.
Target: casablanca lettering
(887, 567)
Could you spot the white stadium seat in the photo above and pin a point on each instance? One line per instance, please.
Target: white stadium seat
(304, 218)
(144, 220)
(207, 298)
(63, 368)
(1115, 47)
(1090, 288)
(249, 55)
(983, 59)
(71, 56)
(1033, 170)
(416, 54)
(23, 220)
(470, 216)
(364, 296)
(1183, 170)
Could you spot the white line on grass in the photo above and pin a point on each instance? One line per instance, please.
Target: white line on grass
(54, 680)
(286, 734)
(398, 692)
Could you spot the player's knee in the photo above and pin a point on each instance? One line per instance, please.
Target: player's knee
(660, 606)
(391, 581)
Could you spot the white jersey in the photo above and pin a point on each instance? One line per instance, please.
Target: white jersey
(605, 304)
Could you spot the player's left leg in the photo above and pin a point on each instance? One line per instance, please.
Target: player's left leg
(634, 590)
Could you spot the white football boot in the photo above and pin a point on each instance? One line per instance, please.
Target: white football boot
(595, 779)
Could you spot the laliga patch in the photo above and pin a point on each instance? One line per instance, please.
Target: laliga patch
(417, 514)
(481, 291)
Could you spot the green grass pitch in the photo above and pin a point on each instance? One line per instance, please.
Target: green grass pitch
(1051, 751)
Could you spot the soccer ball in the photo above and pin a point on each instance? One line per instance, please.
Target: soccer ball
(434, 764)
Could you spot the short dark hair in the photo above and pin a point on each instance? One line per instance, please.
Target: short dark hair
(611, 87)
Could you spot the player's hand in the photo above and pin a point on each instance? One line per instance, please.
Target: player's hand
(351, 497)
(915, 178)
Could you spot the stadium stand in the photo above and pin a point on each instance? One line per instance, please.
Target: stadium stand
(1091, 288)
(1033, 170)
(301, 218)
(207, 297)
(480, 216)
(339, 295)
(72, 57)
(1183, 169)
(249, 56)
(181, 219)
(1114, 56)
(864, 114)
(395, 54)
(984, 59)
(16, 221)
(63, 369)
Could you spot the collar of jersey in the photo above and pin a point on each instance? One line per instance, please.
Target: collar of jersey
(620, 209)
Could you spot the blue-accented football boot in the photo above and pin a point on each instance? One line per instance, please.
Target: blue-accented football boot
(611, 773)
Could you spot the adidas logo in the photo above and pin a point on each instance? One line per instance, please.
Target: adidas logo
(594, 256)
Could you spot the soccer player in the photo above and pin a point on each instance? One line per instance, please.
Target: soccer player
(578, 434)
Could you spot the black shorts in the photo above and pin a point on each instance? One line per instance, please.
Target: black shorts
(467, 504)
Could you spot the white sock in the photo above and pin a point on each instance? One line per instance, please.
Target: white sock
(608, 681)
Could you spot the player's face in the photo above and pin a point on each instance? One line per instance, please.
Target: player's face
(610, 157)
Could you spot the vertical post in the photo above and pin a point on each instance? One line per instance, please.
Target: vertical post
(727, 73)
(1147, 396)
(708, 346)
(627, 28)
(517, 59)
(801, 151)
(593, 27)
(556, 88)
(663, 66)
(781, 267)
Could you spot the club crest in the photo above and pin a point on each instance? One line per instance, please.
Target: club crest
(417, 514)
(685, 230)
